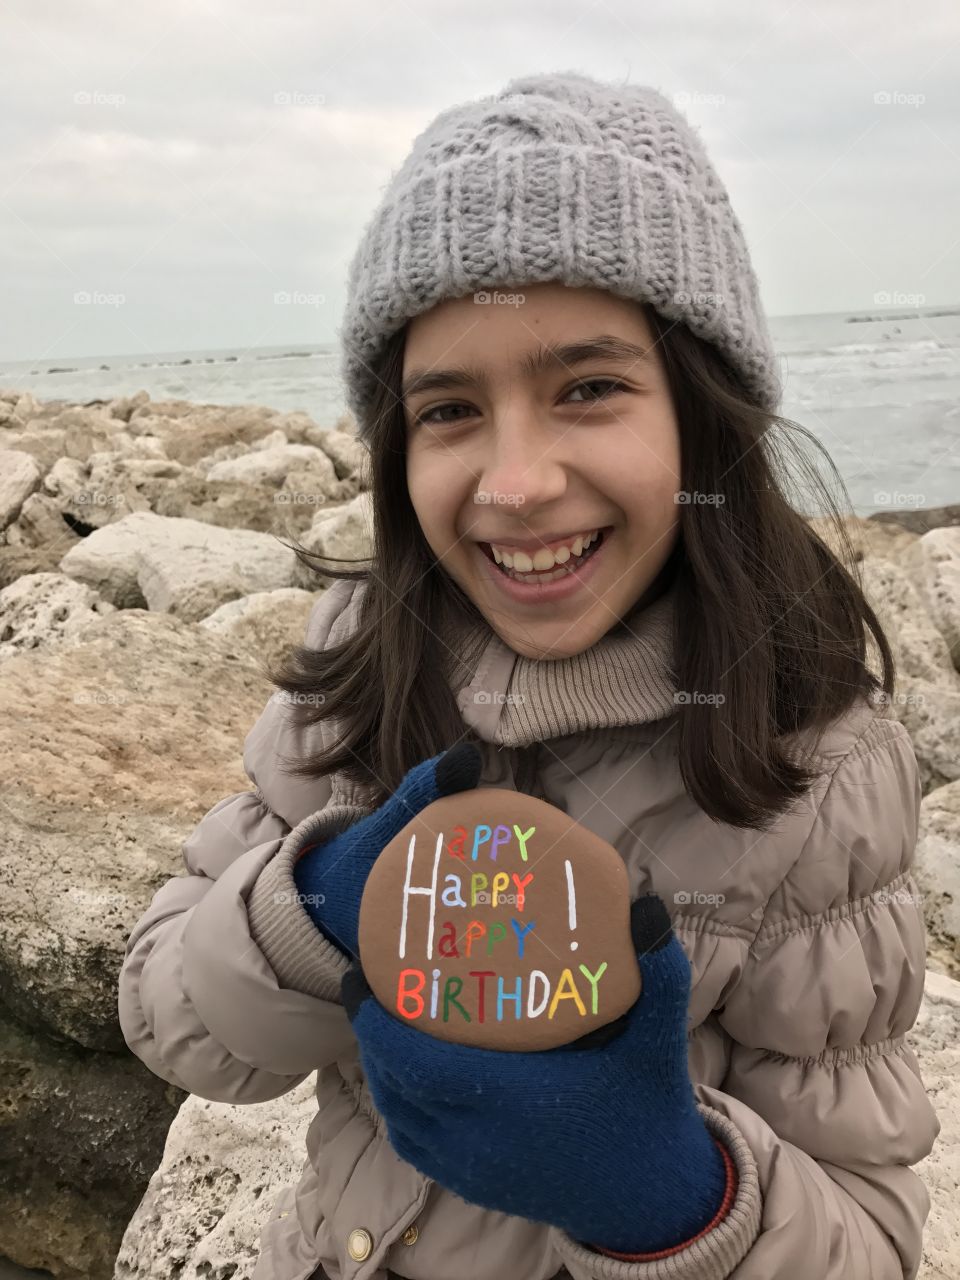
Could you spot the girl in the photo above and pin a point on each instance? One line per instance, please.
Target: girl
(587, 584)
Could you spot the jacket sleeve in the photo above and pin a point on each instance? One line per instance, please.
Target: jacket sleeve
(200, 1000)
(822, 1087)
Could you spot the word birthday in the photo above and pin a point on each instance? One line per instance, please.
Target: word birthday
(411, 1004)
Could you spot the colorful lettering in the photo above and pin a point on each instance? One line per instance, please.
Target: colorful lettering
(521, 931)
(404, 993)
(475, 929)
(521, 888)
(447, 946)
(501, 997)
(593, 979)
(571, 993)
(450, 997)
(482, 974)
(523, 837)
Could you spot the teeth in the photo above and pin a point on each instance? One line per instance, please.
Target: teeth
(544, 559)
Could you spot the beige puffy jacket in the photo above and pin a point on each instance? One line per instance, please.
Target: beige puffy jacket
(806, 944)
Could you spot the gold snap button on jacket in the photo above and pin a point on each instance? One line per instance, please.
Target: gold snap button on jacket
(411, 1234)
(359, 1244)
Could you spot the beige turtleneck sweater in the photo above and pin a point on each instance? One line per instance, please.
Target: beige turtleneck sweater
(625, 678)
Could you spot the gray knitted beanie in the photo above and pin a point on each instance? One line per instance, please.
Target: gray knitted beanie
(564, 178)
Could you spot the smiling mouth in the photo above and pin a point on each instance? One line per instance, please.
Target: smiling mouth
(547, 575)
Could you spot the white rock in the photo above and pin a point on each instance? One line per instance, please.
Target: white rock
(939, 555)
(269, 466)
(264, 625)
(124, 406)
(920, 648)
(26, 407)
(222, 1172)
(927, 696)
(938, 864)
(347, 532)
(123, 445)
(936, 1039)
(40, 523)
(19, 477)
(65, 477)
(348, 454)
(172, 565)
(275, 440)
(109, 467)
(41, 608)
(296, 425)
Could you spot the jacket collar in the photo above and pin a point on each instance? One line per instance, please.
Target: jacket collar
(626, 678)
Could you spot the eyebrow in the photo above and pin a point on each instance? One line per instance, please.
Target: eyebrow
(567, 354)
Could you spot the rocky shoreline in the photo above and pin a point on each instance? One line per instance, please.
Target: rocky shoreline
(143, 587)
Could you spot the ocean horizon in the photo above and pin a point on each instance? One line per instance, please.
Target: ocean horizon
(879, 388)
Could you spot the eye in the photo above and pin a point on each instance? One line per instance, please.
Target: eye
(424, 418)
(611, 385)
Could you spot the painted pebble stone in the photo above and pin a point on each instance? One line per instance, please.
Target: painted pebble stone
(493, 919)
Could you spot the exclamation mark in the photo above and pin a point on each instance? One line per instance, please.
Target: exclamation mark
(571, 903)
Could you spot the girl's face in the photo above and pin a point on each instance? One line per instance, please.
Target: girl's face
(534, 418)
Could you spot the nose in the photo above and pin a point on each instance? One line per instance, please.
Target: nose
(524, 469)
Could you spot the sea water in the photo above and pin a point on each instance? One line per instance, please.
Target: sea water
(880, 389)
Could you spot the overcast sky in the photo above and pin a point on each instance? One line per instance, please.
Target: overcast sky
(181, 163)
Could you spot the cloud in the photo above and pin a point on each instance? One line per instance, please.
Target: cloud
(200, 157)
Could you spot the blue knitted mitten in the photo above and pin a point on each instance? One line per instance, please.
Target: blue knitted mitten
(331, 877)
(601, 1137)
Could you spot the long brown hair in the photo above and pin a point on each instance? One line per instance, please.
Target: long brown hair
(767, 615)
